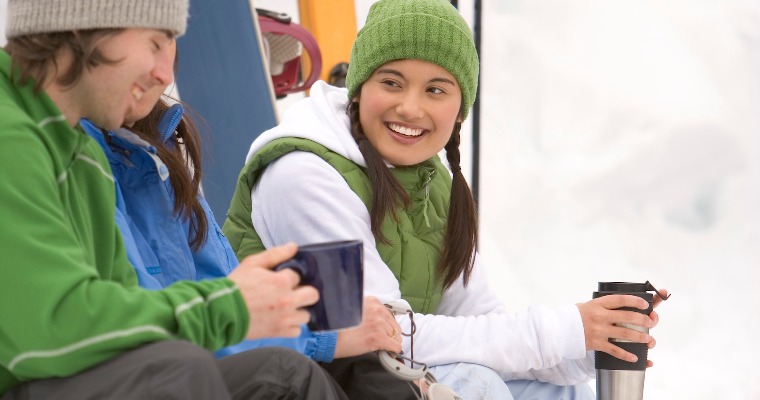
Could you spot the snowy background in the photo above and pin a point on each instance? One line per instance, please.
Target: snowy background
(621, 142)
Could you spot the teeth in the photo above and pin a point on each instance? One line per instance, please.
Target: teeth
(137, 93)
(405, 131)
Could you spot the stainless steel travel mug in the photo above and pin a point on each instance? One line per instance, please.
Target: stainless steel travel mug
(617, 379)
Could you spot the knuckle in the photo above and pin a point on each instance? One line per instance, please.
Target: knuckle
(283, 303)
(280, 278)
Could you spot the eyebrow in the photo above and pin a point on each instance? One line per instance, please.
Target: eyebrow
(392, 71)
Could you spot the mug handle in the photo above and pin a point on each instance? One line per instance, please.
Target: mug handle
(296, 266)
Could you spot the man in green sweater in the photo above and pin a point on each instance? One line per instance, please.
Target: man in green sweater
(73, 321)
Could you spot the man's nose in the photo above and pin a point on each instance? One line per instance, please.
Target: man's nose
(163, 72)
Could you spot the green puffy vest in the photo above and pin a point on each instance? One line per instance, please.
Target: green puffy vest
(415, 241)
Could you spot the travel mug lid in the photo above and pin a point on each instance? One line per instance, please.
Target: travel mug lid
(629, 287)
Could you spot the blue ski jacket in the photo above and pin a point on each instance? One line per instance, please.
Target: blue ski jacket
(157, 240)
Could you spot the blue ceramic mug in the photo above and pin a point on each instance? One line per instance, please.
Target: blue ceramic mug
(336, 270)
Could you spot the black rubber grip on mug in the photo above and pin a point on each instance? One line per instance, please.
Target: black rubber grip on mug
(644, 295)
(606, 361)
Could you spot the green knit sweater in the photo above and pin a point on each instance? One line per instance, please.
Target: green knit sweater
(68, 295)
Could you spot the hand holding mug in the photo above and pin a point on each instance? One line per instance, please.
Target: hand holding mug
(599, 317)
(336, 270)
(616, 323)
(275, 301)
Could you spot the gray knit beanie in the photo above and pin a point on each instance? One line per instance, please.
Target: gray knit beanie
(26, 17)
(430, 30)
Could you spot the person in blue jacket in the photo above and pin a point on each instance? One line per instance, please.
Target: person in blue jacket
(170, 234)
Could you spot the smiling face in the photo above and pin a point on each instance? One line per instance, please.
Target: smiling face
(107, 93)
(407, 110)
(146, 103)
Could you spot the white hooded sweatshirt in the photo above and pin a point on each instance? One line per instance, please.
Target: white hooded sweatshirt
(303, 199)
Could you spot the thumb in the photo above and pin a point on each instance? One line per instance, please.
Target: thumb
(268, 259)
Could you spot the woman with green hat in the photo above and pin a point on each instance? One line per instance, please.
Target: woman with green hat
(362, 163)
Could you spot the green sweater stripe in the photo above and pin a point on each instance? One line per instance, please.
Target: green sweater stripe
(93, 341)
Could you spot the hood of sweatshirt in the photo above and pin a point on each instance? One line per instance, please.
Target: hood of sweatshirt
(322, 118)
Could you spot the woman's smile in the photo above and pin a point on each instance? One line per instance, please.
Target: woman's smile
(408, 109)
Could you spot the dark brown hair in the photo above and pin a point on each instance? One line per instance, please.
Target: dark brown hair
(460, 241)
(33, 55)
(183, 160)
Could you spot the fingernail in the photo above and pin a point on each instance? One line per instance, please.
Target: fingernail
(633, 359)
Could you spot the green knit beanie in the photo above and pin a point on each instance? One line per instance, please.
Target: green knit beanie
(430, 30)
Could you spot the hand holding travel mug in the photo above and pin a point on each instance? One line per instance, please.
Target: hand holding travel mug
(336, 270)
(617, 379)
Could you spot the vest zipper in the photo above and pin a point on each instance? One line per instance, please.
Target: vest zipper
(427, 198)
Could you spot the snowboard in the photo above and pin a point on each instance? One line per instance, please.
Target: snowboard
(223, 78)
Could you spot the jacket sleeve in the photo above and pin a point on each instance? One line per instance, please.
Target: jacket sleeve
(319, 347)
(540, 343)
(69, 297)
(303, 199)
(216, 257)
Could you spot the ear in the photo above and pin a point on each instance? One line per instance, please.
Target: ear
(461, 112)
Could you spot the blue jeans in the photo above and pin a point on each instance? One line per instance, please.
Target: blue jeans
(536, 390)
(476, 382)
(472, 381)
